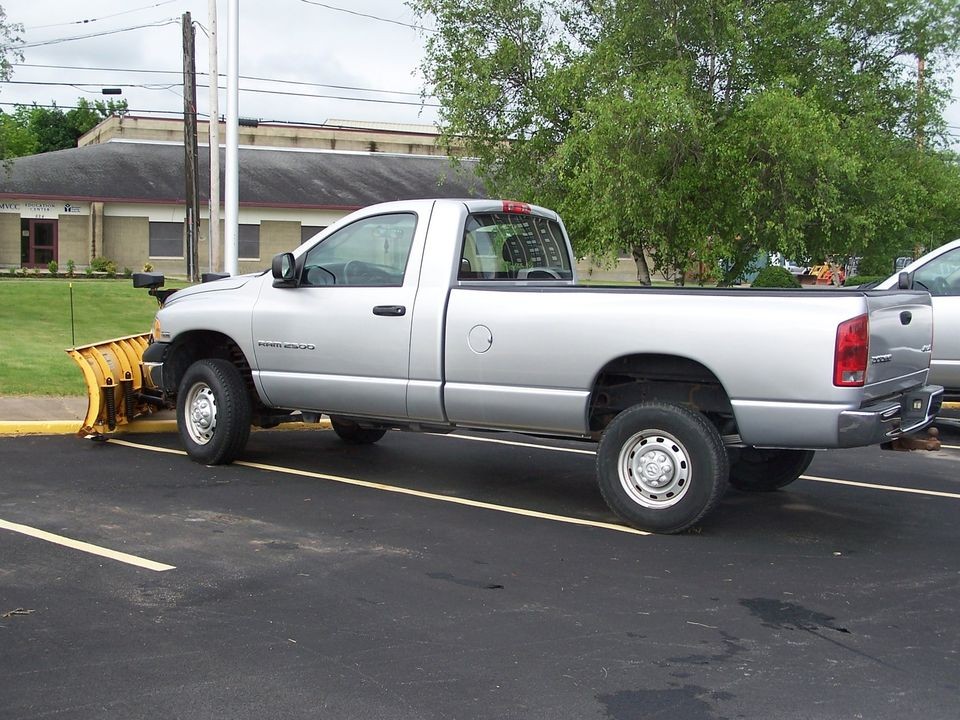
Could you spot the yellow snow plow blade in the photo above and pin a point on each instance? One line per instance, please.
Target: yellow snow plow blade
(114, 378)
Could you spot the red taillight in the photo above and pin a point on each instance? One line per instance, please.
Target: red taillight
(850, 357)
(512, 206)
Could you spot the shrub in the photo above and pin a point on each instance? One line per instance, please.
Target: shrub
(774, 276)
(103, 264)
(147, 267)
(88, 271)
(127, 272)
(71, 267)
(855, 280)
(53, 267)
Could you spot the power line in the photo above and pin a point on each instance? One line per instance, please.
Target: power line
(334, 97)
(81, 86)
(242, 77)
(56, 41)
(285, 93)
(97, 19)
(368, 16)
(179, 114)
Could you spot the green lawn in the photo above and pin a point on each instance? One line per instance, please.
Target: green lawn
(35, 329)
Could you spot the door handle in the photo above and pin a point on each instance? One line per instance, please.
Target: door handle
(390, 310)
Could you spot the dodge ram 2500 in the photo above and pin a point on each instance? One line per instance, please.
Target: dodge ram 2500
(442, 314)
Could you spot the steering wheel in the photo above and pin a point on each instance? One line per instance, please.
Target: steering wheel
(934, 285)
(540, 273)
(357, 272)
(318, 275)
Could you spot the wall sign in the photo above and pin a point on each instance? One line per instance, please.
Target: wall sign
(43, 209)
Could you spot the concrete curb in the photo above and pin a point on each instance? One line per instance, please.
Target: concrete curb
(15, 428)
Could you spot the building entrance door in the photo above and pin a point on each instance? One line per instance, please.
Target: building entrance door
(38, 242)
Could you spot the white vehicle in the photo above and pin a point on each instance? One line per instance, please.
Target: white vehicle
(938, 272)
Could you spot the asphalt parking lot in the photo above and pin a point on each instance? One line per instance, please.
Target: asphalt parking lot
(449, 577)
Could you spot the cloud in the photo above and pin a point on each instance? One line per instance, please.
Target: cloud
(285, 39)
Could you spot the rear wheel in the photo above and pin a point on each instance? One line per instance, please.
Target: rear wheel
(661, 467)
(758, 470)
(213, 412)
(351, 432)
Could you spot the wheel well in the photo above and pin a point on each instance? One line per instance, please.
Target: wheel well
(634, 379)
(201, 345)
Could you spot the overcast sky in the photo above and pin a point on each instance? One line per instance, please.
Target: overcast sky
(297, 41)
(289, 40)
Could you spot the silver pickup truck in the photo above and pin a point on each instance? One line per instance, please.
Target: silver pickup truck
(441, 314)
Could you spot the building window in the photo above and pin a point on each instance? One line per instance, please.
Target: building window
(248, 242)
(166, 240)
(308, 231)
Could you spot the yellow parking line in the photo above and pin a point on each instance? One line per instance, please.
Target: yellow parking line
(407, 491)
(85, 547)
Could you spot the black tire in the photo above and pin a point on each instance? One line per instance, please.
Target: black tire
(351, 433)
(679, 444)
(213, 412)
(756, 470)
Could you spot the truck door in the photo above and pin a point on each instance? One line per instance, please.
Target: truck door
(339, 342)
(941, 278)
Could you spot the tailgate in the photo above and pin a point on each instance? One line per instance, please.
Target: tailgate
(901, 338)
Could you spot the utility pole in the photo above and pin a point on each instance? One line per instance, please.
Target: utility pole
(191, 165)
(216, 255)
(231, 179)
(921, 119)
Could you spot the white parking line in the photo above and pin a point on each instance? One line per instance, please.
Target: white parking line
(871, 486)
(891, 488)
(407, 491)
(85, 547)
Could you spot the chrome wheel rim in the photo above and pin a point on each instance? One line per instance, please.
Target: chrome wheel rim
(201, 413)
(654, 469)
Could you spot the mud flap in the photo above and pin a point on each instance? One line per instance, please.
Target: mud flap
(115, 383)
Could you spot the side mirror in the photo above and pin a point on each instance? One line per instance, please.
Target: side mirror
(284, 269)
(149, 280)
(905, 281)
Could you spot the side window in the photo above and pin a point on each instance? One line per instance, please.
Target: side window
(508, 246)
(370, 252)
(940, 276)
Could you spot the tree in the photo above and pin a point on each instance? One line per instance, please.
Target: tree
(9, 38)
(35, 129)
(708, 129)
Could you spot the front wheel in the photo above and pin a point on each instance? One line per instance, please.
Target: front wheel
(758, 470)
(213, 412)
(661, 467)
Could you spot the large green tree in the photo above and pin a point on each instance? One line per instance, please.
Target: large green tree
(708, 129)
(34, 129)
(9, 38)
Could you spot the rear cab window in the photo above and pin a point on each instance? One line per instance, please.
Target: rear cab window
(513, 246)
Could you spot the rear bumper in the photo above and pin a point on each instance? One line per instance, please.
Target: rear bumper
(888, 420)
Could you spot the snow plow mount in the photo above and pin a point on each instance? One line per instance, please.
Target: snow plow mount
(117, 389)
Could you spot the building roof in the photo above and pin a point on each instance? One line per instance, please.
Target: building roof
(154, 173)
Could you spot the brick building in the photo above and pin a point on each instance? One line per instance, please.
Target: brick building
(120, 193)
